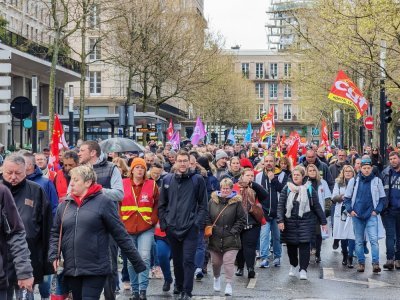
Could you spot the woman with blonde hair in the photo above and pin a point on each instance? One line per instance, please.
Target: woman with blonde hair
(324, 197)
(342, 221)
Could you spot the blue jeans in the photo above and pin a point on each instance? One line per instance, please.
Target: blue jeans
(200, 251)
(143, 242)
(391, 221)
(124, 271)
(348, 247)
(154, 257)
(44, 287)
(370, 226)
(265, 235)
(164, 258)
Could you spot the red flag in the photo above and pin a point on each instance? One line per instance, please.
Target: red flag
(268, 124)
(57, 143)
(170, 130)
(325, 136)
(292, 152)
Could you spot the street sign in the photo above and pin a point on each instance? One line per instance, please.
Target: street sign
(336, 135)
(369, 123)
(28, 123)
(21, 107)
(315, 131)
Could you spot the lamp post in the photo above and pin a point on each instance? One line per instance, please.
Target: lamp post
(34, 113)
(382, 100)
(71, 114)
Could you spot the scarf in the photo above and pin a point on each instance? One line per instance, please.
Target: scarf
(299, 194)
(248, 196)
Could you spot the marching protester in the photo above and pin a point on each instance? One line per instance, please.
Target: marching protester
(311, 158)
(42, 163)
(13, 246)
(87, 218)
(182, 213)
(364, 200)
(234, 171)
(221, 159)
(35, 211)
(336, 167)
(110, 179)
(62, 178)
(391, 212)
(297, 215)
(274, 184)
(227, 218)
(342, 221)
(324, 197)
(253, 199)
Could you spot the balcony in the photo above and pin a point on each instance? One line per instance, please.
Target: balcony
(23, 44)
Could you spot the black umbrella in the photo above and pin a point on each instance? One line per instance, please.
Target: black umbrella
(119, 144)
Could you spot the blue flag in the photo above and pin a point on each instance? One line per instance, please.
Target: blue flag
(231, 136)
(249, 132)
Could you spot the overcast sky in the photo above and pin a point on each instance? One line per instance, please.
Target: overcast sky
(241, 22)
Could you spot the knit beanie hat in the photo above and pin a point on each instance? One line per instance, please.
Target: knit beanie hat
(203, 161)
(220, 154)
(246, 163)
(138, 162)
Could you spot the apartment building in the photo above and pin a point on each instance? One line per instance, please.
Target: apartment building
(25, 35)
(270, 71)
(106, 86)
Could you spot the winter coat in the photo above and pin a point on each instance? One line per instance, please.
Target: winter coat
(299, 229)
(324, 172)
(182, 203)
(35, 211)
(323, 191)
(12, 240)
(47, 185)
(342, 221)
(226, 232)
(336, 168)
(86, 236)
(231, 176)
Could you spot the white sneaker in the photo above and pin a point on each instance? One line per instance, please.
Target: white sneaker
(228, 289)
(303, 275)
(217, 284)
(292, 271)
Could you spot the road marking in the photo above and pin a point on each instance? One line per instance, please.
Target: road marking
(329, 274)
(208, 298)
(252, 282)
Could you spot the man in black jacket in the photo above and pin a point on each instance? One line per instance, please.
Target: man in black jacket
(35, 211)
(182, 213)
(13, 242)
(311, 158)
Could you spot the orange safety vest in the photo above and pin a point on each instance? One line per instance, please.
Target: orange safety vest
(143, 205)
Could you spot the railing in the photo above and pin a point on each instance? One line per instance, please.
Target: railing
(25, 45)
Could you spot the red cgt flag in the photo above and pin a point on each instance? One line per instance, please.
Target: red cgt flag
(292, 152)
(345, 91)
(57, 142)
(268, 124)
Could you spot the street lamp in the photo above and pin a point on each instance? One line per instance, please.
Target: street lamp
(71, 114)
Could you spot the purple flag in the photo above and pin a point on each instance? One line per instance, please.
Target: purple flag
(176, 140)
(198, 133)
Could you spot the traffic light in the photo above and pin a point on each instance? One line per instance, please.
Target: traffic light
(388, 111)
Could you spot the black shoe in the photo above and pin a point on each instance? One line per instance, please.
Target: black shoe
(166, 286)
(345, 260)
(335, 244)
(177, 291)
(142, 295)
(317, 259)
(251, 273)
(239, 272)
(186, 296)
(135, 296)
(350, 262)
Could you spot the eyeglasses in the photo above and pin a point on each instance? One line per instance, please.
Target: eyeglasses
(182, 161)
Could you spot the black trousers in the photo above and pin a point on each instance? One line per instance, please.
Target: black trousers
(110, 284)
(85, 287)
(300, 251)
(247, 254)
(183, 254)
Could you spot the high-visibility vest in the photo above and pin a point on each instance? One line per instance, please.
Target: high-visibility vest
(142, 204)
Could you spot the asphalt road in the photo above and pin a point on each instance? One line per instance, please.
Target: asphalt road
(327, 280)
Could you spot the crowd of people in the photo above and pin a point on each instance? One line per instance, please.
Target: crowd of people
(232, 205)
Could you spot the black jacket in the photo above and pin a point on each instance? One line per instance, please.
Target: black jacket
(35, 211)
(182, 203)
(324, 171)
(85, 237)
(12, 240)
(299, 229)
(226, 232)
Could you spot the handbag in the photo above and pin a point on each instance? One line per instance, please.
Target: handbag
(256, 211)
(209, 228)
(58, 289)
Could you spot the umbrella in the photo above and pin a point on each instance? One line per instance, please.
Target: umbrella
(119, 144)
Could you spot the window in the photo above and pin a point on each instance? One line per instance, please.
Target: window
(259, 70)
(287, 69)
(95, 50)
(273, 90)
(95, 82)
(260, 110)
(287, 111)
(273, 70)
(245, 70)
(287, 92)
(259, 90)
(94, 20)
(275, 106)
